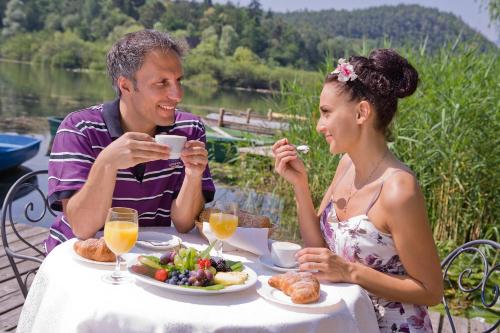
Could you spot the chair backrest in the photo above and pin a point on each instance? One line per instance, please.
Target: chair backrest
(479, 261)
(22, 243)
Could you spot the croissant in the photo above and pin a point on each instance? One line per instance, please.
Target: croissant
(302, 287)
(94, 249)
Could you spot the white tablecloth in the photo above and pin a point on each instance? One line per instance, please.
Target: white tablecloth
(67, 295)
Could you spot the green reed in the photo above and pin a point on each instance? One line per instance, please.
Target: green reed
(447, 133)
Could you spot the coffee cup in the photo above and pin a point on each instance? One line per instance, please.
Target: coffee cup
(283, 254)
(175, 142)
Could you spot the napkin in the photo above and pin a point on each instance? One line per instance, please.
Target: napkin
(249, 239)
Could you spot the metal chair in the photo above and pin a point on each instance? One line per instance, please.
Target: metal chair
(15, 249)
(489, 249)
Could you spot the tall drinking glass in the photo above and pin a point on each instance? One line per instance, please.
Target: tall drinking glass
(120, 234)
(223, 223)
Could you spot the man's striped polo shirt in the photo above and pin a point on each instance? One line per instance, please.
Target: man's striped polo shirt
(149, 188)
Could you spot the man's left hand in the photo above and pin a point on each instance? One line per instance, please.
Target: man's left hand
(195, 158)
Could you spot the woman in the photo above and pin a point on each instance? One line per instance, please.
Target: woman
(372, 226)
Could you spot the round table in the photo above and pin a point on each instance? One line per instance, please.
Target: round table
(68, 295)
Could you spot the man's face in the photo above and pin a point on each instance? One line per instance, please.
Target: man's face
(157, 89)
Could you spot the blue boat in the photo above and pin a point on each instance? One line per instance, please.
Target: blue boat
(16, 149)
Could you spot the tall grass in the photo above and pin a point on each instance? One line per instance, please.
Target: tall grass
(447, 133)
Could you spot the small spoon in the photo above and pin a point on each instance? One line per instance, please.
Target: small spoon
(302, 149)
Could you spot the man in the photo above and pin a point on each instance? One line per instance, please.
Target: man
(105, 156)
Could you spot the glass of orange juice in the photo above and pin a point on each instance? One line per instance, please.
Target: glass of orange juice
(223, 223)
(120, 234)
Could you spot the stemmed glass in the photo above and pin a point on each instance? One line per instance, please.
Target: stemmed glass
(223, 223)
(120, 234)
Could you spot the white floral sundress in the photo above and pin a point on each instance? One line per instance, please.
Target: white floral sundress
(358, 240)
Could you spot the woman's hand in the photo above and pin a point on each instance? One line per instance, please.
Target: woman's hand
(287, 164)
(330, 266)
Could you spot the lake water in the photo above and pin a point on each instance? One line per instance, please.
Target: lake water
(27, 90)
(33, 91)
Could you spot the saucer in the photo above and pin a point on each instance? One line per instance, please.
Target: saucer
(266, 261)
(157, 241)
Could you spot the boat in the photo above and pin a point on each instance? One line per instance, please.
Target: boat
(54, 123)
(17, 149)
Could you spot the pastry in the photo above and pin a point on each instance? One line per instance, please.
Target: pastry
(94, 249)
(302, 287)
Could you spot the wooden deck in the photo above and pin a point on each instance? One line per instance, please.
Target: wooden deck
(11, 298)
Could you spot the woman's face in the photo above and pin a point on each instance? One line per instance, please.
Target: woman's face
(337, 120)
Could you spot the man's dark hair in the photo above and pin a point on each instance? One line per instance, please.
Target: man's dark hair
(127, 55)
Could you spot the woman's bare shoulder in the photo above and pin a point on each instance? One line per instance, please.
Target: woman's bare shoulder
(400, 188)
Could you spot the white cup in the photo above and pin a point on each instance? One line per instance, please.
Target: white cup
(283, 254)
(175, 142)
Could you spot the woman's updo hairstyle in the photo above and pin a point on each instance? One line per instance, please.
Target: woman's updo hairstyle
(382, 78)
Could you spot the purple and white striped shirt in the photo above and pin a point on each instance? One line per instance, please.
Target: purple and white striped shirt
(149, 188)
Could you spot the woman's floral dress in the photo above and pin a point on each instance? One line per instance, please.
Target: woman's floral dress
(357, 240)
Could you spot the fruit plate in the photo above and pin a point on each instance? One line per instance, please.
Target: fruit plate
(274, 295)
(251, 280)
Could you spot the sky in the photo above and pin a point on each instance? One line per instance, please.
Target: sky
(469, 10)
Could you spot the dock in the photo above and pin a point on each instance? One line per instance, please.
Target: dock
(11, 298)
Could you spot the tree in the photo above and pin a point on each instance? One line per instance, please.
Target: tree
(151, 13)
(15, 18)
(228, 40)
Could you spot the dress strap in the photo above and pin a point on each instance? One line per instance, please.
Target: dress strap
(377, 195)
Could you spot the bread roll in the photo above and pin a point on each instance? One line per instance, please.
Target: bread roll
(94, 249)
(302, 287)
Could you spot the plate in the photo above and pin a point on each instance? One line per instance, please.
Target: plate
(80, 258)
(154, 240)
(266, 261)
(251, 280)
(277, 296)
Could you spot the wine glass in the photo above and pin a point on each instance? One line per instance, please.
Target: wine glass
(223, 223)
(120, 234)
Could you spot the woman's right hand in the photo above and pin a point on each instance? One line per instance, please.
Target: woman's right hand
(287, 164)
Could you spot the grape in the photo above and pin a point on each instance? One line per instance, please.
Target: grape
(178, 262)
(209, 275)
(166, 258)
(192, 279)
(200, 275)
(197, 284)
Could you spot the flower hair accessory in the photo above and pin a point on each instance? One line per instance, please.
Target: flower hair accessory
(345, 71)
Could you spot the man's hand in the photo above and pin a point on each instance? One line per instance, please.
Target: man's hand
(131, 149)
(195, 158)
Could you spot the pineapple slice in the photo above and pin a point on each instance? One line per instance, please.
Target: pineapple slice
(230, 278)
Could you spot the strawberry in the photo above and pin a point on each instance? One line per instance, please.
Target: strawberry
(161, 275)
(204, 263)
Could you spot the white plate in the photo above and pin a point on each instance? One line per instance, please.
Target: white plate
(251, 280)
(277, 296)
(80, 258)
(154, 240)
(266, 261)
